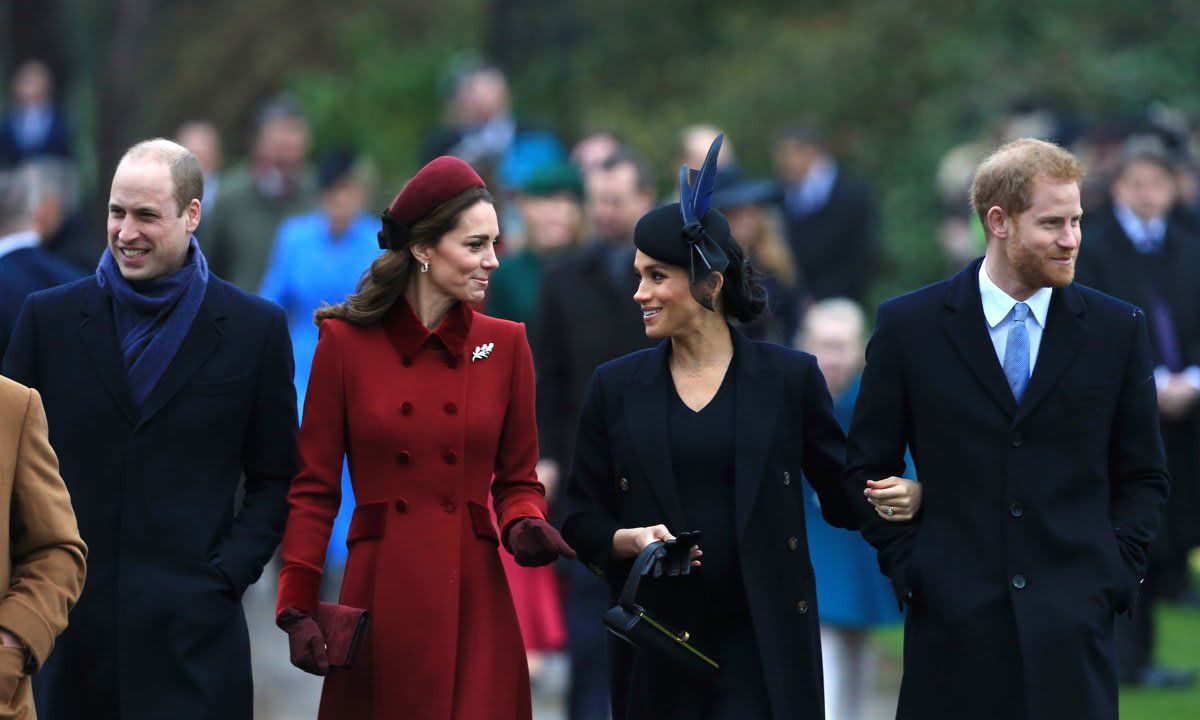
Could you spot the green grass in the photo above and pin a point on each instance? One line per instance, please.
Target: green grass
(1178, 646)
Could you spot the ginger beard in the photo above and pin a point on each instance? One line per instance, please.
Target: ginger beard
(1037, 267)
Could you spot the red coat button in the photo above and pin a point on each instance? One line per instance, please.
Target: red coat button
(450, 408)
(401, 505)
(450, 457)
(449, 506)
(403, 457)
(406, 409)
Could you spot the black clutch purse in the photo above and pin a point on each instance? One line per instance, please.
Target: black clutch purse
(629, 621)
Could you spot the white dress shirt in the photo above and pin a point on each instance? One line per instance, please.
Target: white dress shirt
(998, 311)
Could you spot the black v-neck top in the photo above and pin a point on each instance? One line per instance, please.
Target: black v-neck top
(702, 458)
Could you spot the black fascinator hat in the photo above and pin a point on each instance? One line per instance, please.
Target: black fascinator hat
(690, 233)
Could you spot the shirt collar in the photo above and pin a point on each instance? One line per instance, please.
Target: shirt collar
(409, 336)
(997, 304)
(18, 241)
(1144, 234)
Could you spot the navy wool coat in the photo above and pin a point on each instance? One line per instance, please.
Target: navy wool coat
(159, 630)
(1036, 517)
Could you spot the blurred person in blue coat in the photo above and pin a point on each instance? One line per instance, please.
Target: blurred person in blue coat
(317, 259)
(26, 266)
(853, 595)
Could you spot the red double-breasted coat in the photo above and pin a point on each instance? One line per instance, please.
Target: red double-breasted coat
(430, 422)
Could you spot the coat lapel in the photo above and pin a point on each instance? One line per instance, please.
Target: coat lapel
(1061, 340)
(968, 333)
(197, 346)
(99, 335)
(758, 396)
(645, 410)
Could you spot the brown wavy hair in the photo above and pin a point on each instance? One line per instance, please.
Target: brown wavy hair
(386, 280)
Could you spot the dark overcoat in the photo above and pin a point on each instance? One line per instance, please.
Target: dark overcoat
(159, 630)
(1036, 516)
(622, 478)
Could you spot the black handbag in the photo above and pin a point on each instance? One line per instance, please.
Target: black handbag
(629, 621)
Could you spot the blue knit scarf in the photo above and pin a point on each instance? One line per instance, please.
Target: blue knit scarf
(153, 317)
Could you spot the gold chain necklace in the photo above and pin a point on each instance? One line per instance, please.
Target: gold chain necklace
(698, 373)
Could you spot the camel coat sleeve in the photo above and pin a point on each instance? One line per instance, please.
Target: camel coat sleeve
(43, 567)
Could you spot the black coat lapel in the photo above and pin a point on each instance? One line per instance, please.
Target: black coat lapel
(758, 397)
(645, 410)
(968, 331)
(99, 335)
(197, 346)
(1061, 341)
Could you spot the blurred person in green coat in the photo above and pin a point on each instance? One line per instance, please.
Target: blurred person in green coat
(276, 183)
(551, 210)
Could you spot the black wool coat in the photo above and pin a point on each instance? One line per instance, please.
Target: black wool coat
(621, 477)
(159, 630)
(1036, 517)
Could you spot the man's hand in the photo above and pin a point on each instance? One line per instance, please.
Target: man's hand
(1176, 397)
(894, 498)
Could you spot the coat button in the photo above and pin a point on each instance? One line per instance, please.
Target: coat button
(401, 505)
(1016, 439)
(450, 408)
(403, 457)
(793, 543)
(596, 569)
(406, 409)
(801, 607)
(1017, 509)
(623, 484)
(1018, 581)
(450, 457)
(449, 506)
(406, 361)
(787, 478)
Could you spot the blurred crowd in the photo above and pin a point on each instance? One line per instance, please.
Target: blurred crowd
(298, 224)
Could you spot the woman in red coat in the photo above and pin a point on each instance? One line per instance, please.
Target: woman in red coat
(433, 405)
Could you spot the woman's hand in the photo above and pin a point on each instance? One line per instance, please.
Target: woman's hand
(894, 498)
(629, 542)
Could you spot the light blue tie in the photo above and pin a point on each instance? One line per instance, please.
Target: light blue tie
(1016, 352)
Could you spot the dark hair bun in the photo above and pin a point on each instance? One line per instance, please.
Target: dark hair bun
(743, 299)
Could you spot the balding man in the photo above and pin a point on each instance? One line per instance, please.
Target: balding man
(163, 385)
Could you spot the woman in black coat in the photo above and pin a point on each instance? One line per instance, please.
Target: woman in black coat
(710, 432)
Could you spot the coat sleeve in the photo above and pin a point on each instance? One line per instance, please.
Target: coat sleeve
(48, 555)
(591, 503)
(825, 451)
(268, 461)
(1137, 463)
(875, 449)
(516, 492)
(316, 491)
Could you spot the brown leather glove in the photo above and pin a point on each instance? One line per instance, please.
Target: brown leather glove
(305, 641)
(535, 542)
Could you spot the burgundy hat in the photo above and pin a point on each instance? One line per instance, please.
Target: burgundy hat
(439, 181)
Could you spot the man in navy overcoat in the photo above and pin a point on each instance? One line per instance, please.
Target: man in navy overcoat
(163, 386)
(1029, 405)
